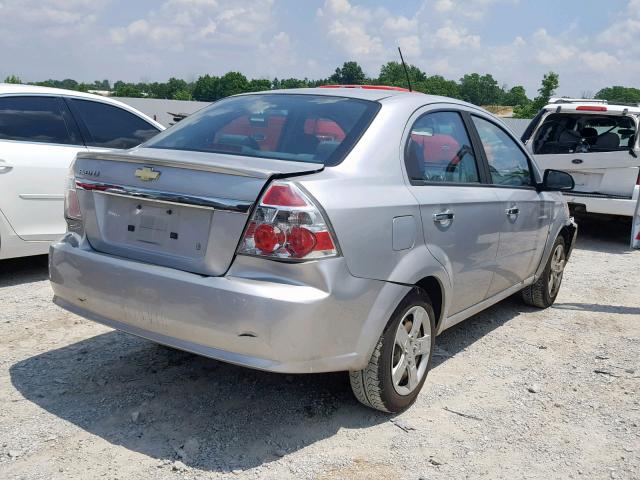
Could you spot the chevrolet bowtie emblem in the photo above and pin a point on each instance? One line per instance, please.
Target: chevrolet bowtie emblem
(146, 174)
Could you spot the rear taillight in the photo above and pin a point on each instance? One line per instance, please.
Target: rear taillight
(71, 204)
(638, 180)
(287, 224)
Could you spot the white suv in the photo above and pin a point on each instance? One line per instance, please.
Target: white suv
(41, 131)
(597, 143)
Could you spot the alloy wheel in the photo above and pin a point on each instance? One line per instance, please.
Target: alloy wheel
(411, 350)
(557, 270)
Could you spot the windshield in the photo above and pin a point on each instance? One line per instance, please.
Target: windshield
(300, 128)
(571, 133)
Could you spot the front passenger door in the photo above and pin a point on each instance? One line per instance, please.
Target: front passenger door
(460, 216)
(526, 216)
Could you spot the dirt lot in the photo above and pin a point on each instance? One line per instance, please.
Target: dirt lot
(515, 393)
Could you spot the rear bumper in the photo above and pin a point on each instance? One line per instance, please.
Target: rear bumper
(603, 204)
(318, 318)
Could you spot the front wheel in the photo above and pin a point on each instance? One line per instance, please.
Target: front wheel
(543, 293)
(402, 358)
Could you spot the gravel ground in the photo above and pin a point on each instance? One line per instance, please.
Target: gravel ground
(514, 393)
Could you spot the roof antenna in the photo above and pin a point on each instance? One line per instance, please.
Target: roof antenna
(406, 72)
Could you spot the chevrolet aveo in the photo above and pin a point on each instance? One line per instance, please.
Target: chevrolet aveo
(314, 230)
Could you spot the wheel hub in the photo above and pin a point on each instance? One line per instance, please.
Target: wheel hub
(411, 351)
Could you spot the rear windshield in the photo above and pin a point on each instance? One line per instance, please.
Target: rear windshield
(571, 133)
(300, 128)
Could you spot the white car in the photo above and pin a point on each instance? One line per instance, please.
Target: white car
(597, 143)
(41, 131)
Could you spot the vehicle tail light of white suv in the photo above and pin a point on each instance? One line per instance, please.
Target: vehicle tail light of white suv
(287, 224)
(71, 204)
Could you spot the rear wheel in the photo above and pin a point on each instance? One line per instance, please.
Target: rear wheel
(401, 360)
(543, 293)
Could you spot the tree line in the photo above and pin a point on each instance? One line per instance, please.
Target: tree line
(479, 89)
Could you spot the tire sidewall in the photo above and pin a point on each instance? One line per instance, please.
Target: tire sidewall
(548, 298)
(393, 401)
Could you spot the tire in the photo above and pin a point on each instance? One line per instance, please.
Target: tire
(543, 292)
(374, 386)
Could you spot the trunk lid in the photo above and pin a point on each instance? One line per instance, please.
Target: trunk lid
(185, 210)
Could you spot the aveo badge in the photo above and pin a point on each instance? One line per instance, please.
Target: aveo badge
(147, 174)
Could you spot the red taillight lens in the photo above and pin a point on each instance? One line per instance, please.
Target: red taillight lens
(268, 238)
(287, 224)
(71, 203)
(283, 196)
(301, 242)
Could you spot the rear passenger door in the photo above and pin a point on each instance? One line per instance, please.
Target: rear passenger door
(108, 126)
(461, 217)
(526, 216)
(38, 141)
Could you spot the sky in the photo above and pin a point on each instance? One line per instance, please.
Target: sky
(591, 44)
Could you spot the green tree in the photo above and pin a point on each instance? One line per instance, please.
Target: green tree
(259, 85)
(618, 94)
(207, 89)
(175, 85)
(349, 74)
(516, 96)
(438, 85)
(182, 95)
(292, 83)
(392, 73)
(127, 90)
(480, 89)
(550, 83)
(233, 83)
(12, 79)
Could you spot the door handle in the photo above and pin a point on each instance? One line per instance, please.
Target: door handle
(443, 217)
(512, 211)
(4, 168)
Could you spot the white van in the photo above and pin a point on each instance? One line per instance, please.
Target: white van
(597, 143)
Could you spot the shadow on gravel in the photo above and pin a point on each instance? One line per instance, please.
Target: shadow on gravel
(460, 336)
(596, 307)
(17, 271)
(174, 405)
(604, 234)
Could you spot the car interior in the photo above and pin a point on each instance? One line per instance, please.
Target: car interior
(438, 152)
(570, 133)
(303, 130)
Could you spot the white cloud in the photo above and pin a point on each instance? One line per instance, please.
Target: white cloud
(369, 35)
(452, 36)
(199, 21)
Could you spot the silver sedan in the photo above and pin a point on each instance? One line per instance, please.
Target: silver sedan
(314, 230)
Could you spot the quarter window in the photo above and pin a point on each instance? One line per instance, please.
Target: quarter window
(36, 119)
(111, 127)
(439, 150)
(508, 165)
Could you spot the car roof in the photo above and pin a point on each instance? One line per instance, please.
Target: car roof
(372, 94)
(20, 89)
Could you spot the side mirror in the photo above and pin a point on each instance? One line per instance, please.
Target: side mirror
(557, 181)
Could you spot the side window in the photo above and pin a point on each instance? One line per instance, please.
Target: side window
(439, 150)
(508, 165)
(37, 119)
(111, 127)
